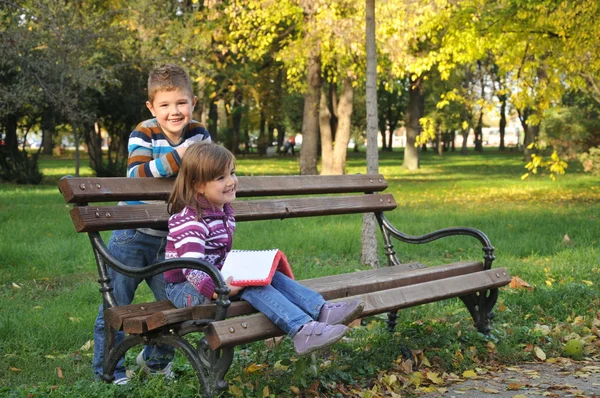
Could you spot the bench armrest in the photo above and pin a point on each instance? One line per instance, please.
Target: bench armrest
(104, 258)
(389, 230)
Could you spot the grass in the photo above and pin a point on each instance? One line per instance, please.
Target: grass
(49, 297)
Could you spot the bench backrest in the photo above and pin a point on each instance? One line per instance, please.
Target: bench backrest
(296, 196)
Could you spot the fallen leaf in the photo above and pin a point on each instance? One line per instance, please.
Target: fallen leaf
(469, 374)
(434, 378)
(13, 369)
(566, 240)
(539, 353)
(514, 386)
(59, 373)
(255, 367)
(516, 283)
(16, 285)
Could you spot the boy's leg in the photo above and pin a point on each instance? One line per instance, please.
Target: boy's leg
(123, 246)
(306, 299)
(156, 357)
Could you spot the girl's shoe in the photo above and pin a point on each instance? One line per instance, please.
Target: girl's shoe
(315, 335)
(340, 312)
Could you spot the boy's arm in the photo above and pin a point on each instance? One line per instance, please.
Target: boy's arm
(142, 160)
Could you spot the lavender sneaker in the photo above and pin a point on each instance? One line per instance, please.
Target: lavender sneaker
(340, 312)
(315, 335)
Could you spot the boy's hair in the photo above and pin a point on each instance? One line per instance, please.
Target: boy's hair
(168, 77)
(202, 162)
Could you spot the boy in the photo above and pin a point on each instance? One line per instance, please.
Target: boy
(156, 148)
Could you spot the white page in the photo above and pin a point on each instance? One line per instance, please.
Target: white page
(248, 264)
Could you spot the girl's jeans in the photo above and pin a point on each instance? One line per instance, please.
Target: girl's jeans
(288, 304)
(135, 249)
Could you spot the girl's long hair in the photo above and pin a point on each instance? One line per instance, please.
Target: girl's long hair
(202, 162)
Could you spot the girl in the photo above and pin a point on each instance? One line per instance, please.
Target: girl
(202, 226)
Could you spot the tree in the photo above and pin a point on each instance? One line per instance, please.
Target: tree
(369, 243)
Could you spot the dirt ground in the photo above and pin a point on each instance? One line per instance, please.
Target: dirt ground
(579, 379)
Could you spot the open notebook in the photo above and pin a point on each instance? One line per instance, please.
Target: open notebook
(255, 267)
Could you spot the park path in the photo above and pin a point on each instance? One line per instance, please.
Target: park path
(579, 379)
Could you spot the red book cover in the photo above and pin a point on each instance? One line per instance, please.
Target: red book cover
(255, 267)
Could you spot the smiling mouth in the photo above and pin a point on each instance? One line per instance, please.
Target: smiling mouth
(175, 120)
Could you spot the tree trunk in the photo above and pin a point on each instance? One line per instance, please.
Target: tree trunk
(77, 152)
(369, 231)
(414, 112)
(479, 133)
(326, 135)
(502, 99)
(213, 119)
(236, 120)
(310, 118)
(48, 127)
(465, 135)
(342, 134)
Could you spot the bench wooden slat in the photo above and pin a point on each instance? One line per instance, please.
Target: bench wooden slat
(103, 218)
(116, 316)
(331, 287)
(257, 326)
(106, 189)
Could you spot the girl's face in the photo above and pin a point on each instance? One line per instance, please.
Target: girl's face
(173, 111)
(222, 189)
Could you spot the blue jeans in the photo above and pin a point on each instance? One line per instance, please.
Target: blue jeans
(135, 249)
(288, 304)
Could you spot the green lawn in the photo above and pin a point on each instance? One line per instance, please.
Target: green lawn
(49, 297)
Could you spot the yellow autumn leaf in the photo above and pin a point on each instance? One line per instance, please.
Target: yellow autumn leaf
(235, 391)
(255, 367)
(295, 390)
(469, 374)
(13, 369)
(428, 389)
(434, 378)
(539, 353)
(589, 283)
(266, 392)
(549, 282)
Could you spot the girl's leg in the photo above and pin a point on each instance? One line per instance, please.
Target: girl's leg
(307, 299)
(275, 306)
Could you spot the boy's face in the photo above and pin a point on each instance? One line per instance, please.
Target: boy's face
(172, 110)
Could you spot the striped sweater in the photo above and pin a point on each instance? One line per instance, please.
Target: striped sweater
(151, 154)
(208, 237)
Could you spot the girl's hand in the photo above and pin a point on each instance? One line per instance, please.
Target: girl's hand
(233, 290)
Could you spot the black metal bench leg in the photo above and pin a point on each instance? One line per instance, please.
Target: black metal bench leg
(117, 352)
(480, 307)
(392, 320)
(218, 361)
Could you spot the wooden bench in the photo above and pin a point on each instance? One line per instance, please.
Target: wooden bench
(225, 324)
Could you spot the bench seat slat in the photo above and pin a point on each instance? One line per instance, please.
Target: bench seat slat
(106, 189)
(331, 287)
(258, 327)
(103, 218)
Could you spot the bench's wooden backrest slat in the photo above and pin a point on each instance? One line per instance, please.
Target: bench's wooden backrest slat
(102, 218)
(88, 190)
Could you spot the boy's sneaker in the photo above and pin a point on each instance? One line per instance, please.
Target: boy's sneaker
(121, 381)
(340, 312)
(315, 335)
(166, 372)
